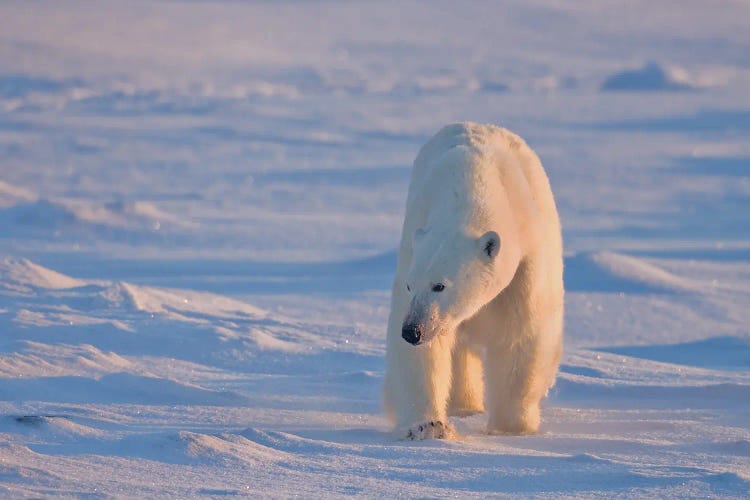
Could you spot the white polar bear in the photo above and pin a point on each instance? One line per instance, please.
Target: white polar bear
(478, 289)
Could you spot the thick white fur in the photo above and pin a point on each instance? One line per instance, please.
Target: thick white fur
(494, 335)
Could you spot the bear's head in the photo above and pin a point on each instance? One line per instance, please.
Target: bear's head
(450, 280)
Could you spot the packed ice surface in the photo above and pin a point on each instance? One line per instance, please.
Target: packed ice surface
(199, 209)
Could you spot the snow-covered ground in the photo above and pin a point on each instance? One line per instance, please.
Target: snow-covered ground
(200, 202)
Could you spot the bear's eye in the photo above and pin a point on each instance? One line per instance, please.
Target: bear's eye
(408, 288)
(438, 287)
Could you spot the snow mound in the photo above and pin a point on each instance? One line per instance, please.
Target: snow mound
(54, 427)
(182, 448)
(186, 304)
(120, 214)
(613, 272)
(718, 353)
(20, 274)
(651, 77)
(267, 341)
(116, 388)
(147, 213)
(227, 447)
(285, 442)
(627, 267)
(39, 359)
(491, 86)
(94, 328)
(23, 209)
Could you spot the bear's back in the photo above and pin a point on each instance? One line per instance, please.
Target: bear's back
(456, 147)
(513, 182)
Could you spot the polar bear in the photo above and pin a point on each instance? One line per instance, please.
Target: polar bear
(476, 314)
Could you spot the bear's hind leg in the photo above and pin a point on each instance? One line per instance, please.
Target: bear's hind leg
(467, 387)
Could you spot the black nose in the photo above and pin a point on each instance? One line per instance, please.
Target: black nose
(412, 333)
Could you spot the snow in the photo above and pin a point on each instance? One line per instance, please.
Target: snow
(200, 201)
(652, 77)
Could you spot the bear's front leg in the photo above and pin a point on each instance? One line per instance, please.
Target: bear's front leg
(518, 376)
(417, 386)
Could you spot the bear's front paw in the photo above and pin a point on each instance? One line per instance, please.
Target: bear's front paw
(432, 429)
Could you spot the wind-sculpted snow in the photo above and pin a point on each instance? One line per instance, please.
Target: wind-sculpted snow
(19, 274)
(199, 205)
(169, 352)
(24, 214)
(607, 271)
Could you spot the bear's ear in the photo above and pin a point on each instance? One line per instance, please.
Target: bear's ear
(489, 243)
